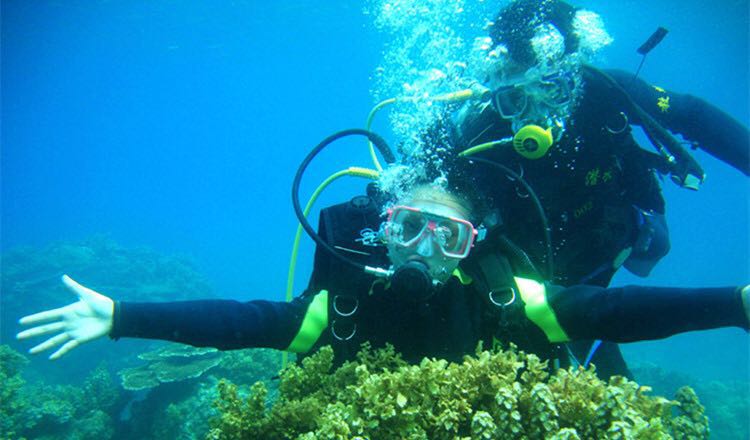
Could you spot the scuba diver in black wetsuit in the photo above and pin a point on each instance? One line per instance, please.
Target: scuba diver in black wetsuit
(435, 299)
(565, 127)
(568, 132)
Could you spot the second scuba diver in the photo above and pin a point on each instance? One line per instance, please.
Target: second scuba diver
(568, 132)
(565, 127)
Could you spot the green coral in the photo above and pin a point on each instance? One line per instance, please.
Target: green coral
(95, 425)
(691, 423)
(726, 403)
(100, 391)
(54, 404)
(40, 410)
(186, 419)
(13, 403)
(249, 365)
(490, 395)
(181, 409)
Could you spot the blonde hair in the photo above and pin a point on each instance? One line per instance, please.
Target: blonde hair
(437, 193)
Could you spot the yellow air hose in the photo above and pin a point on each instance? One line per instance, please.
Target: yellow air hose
(477, 91)
(351, 171)
(485, 146)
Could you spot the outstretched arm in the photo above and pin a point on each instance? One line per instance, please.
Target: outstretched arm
(634, 313)
(223, 324)
(713, 130)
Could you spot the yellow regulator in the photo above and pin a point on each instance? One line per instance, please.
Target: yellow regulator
(532, 141)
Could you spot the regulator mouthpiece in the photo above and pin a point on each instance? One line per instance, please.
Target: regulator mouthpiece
(532, 141)
(413, 280)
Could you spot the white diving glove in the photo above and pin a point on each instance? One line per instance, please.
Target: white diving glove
(85, 320)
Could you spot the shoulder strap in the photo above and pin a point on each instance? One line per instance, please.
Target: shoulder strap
(492, 276)
(496, 278)
(343, 226)
(514, 301)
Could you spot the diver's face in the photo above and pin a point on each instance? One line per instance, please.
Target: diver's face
(430, 229)
(534, 99)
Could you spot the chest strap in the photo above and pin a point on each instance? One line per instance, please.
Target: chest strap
(516, 299)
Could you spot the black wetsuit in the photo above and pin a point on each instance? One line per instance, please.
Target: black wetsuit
(595, 179)
(596, 184)
(448, 325)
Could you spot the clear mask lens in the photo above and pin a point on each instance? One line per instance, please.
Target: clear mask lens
(510, 101)
(408, 227)
(555, 90)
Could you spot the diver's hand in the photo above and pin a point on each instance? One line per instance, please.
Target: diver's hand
(75, 324)
(746, 301)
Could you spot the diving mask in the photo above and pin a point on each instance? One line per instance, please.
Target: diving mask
(410, 227)
(554, 89)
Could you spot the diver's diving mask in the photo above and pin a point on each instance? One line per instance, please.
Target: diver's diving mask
(410, 227)
(554, 89)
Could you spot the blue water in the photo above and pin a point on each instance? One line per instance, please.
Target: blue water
(179, 126)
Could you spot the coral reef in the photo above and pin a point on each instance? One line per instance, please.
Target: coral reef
(490, 395)
(103, 265)
(91, 404)
(38, 410)
(100, 390)
(13, 404)
(172, 363)
(178, 384)
(727, 404)
(249, 365)
(187, 419)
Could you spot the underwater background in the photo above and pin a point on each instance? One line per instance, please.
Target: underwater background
(148, 150)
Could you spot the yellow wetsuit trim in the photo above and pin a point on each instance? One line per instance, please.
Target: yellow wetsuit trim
(538, 310)
(462, 276)
(316, 320)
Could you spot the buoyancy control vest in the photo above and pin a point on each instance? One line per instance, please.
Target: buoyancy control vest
(350, 228)
(489, 273)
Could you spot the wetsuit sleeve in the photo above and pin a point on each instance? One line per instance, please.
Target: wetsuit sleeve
(696, 120)
(632, 313)
(222, 324)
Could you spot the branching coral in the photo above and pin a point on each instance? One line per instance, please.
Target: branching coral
(249, 365)
(100, 391)
(727, 403)
(490, 395)
(13, 403)
(37, 410)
